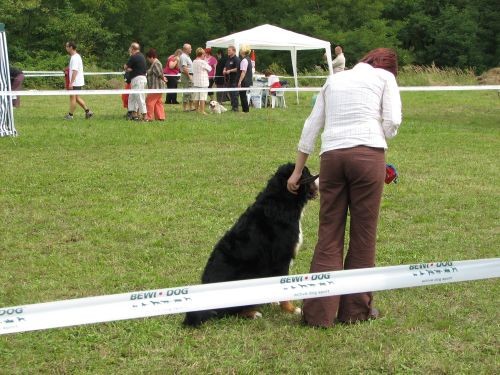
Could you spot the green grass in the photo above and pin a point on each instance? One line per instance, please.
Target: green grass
(108, 206)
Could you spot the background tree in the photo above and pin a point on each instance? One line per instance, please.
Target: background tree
(455, 33)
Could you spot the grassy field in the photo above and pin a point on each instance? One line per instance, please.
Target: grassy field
(108, 206)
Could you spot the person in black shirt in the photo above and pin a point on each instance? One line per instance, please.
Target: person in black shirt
(220, 78)
(231, 72)
(136, 68)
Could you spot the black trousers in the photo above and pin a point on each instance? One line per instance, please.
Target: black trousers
(234, 96)
(244, 100)
(172, 84)
(221, 96)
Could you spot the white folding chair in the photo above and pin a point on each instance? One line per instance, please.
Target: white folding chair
(278, 100)
(254, 96)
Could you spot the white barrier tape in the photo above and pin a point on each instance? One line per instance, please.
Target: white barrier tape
(450, 88)
(123, 91)
(182, 90)
(61, 74)
(238, 293)
(28, 74)
(56, 73)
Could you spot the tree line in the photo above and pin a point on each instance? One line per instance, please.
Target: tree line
(447, 33)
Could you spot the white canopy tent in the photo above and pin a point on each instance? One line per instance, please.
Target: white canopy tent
(275, 38)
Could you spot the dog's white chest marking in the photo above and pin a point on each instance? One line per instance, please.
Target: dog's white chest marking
(301, 237)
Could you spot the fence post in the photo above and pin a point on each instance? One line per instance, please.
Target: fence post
(6, 110)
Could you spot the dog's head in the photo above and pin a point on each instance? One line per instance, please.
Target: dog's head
(308, 188)
(212, 104)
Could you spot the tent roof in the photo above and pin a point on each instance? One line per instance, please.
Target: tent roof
(270, 37)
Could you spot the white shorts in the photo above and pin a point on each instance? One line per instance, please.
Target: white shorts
(200, 95)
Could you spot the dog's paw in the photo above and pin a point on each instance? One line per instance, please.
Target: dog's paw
(289, 307)
(257, 315)
(251, 314)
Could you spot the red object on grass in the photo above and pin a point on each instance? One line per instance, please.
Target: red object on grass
(391, 174)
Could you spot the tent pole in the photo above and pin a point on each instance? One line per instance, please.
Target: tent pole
(293, 52)
(329, 58)
(6, 113)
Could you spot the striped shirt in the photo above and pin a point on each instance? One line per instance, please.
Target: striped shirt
(155, 75)
(357, 107)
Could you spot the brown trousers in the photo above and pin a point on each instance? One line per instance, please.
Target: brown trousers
(350, 179)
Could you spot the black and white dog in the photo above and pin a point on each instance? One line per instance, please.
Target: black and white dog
(262, 243)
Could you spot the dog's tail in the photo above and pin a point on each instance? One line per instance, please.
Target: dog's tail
(197, 318)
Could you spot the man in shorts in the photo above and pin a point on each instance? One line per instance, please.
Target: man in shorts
(186, 81)
(136, 69)
(76, 81)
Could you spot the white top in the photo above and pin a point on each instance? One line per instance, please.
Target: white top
(361, 106)
(244, 64)
(200, 73)
(76, 63)
(272, 79)
(338, 63)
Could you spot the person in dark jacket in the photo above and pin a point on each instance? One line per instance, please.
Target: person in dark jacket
(220, 78)
(231, 72)
(245, 76)
(16, 83)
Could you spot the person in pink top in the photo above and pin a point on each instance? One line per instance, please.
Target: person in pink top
(212, 61)
(171, 70)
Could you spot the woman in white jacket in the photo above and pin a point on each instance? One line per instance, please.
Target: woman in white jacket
(357, 110)
(200, 79)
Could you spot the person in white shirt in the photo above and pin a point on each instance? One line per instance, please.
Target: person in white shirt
(200, 79)
(338, 64)
(76, 81)
(186, 81)
(272, 82)
(358, 110)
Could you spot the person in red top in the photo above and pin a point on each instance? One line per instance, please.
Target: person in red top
(171, 70)
(212, 61)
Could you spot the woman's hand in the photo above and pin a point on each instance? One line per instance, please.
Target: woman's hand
(293, 182)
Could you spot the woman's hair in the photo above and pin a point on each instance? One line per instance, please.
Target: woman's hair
(245, 49)
(178, 52)
(199, 52)
(383, 58)
(267, 73)
(152, 54)
(208, 51)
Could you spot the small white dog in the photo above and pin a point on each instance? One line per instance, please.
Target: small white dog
(216, 107)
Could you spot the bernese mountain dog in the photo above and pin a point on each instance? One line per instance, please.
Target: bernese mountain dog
(262, 243)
